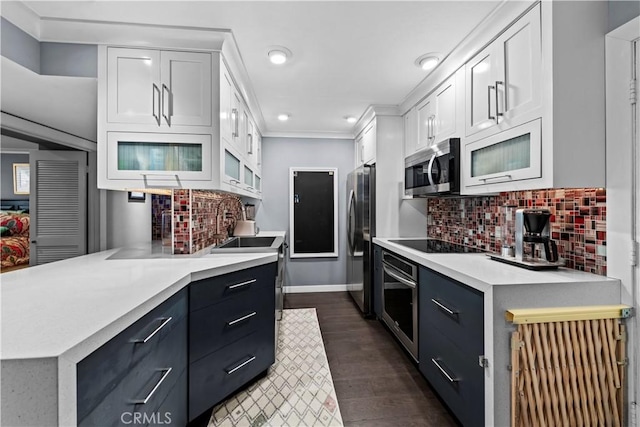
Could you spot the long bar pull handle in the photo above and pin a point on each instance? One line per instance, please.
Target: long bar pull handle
(498, 113)
(167, 115)
(444, 307)
(445, 373)
(162, 325)
(248, 316)
(499, 177)
(234, 117)
(433, 126)
(399, 278)
(243, 364)
(153, 102)
(152, 392)
(239, 285)
(249, 143)
(489, 116)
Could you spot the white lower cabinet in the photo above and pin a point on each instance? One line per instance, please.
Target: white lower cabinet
(498, 162)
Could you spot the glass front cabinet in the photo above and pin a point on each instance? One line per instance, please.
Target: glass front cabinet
(503, 159)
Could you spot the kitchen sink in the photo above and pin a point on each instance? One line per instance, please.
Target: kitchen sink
(249, 244)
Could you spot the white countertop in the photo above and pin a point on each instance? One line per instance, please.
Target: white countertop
(481, 272)
(69, 308)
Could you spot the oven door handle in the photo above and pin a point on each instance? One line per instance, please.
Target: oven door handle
(430, 170)
(399, 278)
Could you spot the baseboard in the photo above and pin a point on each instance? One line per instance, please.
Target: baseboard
(314, 288)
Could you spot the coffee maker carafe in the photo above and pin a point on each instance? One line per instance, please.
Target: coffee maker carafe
(533, 228)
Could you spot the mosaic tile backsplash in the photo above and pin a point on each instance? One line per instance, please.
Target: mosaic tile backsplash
(578, 222)
(202, 218)
(159, 203)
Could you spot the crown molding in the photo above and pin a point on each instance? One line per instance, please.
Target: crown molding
(309, 135)
(20, 15)
(373, 111)
(482, 35)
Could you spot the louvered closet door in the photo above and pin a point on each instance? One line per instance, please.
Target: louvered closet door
(58, 205)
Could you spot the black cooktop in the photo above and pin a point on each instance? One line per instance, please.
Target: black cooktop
(434, 246)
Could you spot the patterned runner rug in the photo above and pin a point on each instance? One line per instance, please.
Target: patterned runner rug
(298, 390)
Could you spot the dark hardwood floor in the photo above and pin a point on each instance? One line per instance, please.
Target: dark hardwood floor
(376, 383)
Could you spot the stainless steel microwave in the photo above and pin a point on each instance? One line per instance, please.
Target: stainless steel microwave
(434, 170)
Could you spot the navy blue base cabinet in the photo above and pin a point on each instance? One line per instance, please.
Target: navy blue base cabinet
(231, 334)
(451, 341)
(141, 374)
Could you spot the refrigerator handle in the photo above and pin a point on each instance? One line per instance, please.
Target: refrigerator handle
(350, 236)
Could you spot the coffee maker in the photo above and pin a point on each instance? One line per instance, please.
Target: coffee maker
(532, 229)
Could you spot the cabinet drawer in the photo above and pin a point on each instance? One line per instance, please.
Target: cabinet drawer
(215, 376)
(125, 368)
(241, 283)
(217, 325)
(456, 377)
(454, 309)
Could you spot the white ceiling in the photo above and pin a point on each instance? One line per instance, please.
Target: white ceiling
(347, 55)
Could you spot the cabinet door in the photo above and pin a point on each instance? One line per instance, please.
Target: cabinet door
(232, 166)
(133, 86)
(425, 124)
(511, 155)
(410, 131)
(186, 88)
(445, 110)
(248, 178)
(226, 92)
(369, 144)
(518, 78)
(480, 91)
(360, 149)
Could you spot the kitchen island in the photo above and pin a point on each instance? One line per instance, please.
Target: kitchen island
(55, 315)
(496, 287)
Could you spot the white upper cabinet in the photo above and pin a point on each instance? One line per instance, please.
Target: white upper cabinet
(133, 85)
(369, 144)
(410, 131)
(437, 116)
(504, 80)
(162, 88)
(186, 88)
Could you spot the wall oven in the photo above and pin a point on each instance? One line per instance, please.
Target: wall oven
(434, 170)
(400, 300)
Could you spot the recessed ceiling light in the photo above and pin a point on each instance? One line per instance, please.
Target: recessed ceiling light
(278, 54)
(428, 61)
(351, 119)
(283, 117)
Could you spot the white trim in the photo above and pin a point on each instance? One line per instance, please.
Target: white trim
(21, 15)
(336, 246)
(45, 133)
(372, 112)
(308, 135)
(313, 288)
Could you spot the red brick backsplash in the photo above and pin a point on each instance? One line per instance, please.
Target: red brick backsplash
(199, 218)
(578, 222)
(159, 203)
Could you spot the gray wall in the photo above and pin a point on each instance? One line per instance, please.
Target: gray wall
(128, 223)
(7, 175)
(278, 155)
(55, 59)
(622, 11)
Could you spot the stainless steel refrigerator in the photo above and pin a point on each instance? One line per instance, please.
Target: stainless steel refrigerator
(361, 190)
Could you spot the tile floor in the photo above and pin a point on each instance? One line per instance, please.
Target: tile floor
(297, 391)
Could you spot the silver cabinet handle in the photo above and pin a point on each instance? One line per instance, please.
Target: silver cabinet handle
(234, 117)
(239, 285)
(235, 181)
(155, 89)
(489, 116)
(498, 113)
(242, 365)
(445, 373)
(162, 325)
(400, 279)
(248, 316)
(151, 393)
(444, 307)
(500, 177)
(166, 116)
(249, 143)
(433, 126)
